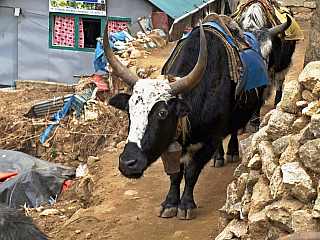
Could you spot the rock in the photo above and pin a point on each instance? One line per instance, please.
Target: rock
(291, 154)
(246, 202)
(230, 207)
(266, 118)
(259, 136)
(133, 69)
(269, 159)
(307, 96)
(280, 124)
(92, 159)
(316, 90)
(275, 233)
(279, 218)
(276, 184)
(312, 108)
(226, 233)
(315, 125)
(310, 75)
(135, 54)
(255, 163)
(316, 207)
(49, 212)
(130, 193)
(309, 4)
(258, 225)
(297, 182)
(121, 144)
(84, 189)
(223, 223)
(302, 104)
(241, 169)
(280, 145)
(253, 178)
(310, 154)
(241, 184)
(302, 221)
(245, 150)
(305, 135)
(300, 123)
(313, 49)
(239, 228)
(291, 94)
(261, 196)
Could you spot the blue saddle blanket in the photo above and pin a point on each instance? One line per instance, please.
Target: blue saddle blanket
(258, 74)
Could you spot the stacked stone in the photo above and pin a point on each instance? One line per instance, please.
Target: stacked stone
(276, 188)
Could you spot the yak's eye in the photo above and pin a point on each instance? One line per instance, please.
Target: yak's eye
(163, 113)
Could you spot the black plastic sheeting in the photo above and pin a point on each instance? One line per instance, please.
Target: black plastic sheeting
(37, 181)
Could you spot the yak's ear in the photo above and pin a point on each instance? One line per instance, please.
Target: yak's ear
(181, 108)
(120, 101)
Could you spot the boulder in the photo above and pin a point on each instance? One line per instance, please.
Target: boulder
(297, 182)
(280, 124)
(291, 94)
(310, 154)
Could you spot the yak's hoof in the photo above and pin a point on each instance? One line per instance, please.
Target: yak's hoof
(168, 212)
(186, 215)
(241, 131)
(254, 129)
(217, 163)
(232, 158)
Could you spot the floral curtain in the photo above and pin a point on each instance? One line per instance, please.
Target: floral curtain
(64, 30)
(116, 26)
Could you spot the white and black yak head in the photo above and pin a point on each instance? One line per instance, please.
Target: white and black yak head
(153, 110)
(153, 113)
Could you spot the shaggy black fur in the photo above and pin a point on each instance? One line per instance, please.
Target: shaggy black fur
(16, 226)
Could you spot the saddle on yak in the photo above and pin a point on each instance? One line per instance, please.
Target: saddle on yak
(247, 67)
(276, 15)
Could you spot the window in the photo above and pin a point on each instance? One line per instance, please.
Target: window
(79, 32)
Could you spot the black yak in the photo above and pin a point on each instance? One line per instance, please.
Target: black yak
(203, 92)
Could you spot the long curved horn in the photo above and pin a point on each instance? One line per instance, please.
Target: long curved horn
(192, 79)
(124, 73)
(280, 28)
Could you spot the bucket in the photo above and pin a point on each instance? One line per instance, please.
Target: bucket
(171, 158)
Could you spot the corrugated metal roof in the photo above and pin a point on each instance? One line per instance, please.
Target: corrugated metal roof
(177, 8)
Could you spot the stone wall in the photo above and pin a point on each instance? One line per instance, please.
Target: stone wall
(313, 49)
(275, 190)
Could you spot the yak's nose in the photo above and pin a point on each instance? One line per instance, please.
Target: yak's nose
(126, 163)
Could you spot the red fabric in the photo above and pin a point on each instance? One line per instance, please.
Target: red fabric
(66, 185)
(116, 26)
(100, 82)
(64, 31)
(7, 176)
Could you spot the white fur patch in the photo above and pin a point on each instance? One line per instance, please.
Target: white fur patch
(192, 149)
(146, 92)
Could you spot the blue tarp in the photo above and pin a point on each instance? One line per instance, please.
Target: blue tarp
(100, 61)
(58, 116)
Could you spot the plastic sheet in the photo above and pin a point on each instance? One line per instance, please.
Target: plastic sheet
(37, 181)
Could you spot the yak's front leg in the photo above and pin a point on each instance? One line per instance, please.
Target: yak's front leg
(169, 207)
(187, 206)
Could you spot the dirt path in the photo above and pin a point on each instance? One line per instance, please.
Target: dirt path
(127, 208)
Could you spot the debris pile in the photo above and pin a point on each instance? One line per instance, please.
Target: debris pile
(276, 190)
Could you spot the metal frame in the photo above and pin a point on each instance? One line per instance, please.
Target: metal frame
(76, 40)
